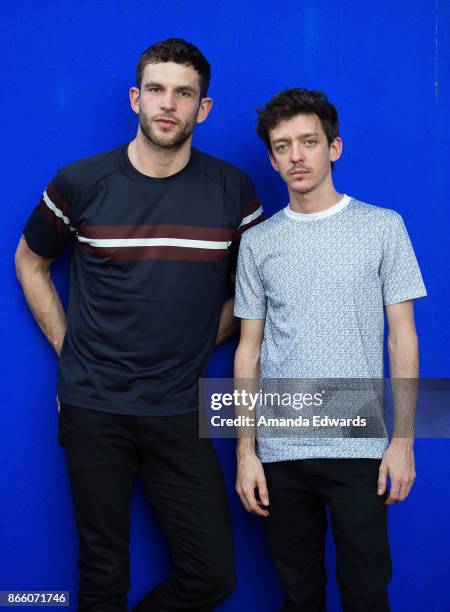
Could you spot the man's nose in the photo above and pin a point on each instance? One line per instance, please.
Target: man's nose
(297, 153)
(168, 101)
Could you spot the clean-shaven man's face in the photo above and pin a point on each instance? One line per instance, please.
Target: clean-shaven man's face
(301, 153)
(168, 104)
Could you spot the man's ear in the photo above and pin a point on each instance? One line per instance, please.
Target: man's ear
(335, 149)
(134, 99)
(204, 109)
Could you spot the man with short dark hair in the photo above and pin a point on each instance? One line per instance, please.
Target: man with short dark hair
(154, 226)
(313, 283)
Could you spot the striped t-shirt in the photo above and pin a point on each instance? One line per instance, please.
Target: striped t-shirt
(149, 269)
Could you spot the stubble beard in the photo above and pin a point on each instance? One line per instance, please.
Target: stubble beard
(174, 143)
(310, 188)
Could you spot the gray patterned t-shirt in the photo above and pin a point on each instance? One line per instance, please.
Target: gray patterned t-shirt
(320, 282)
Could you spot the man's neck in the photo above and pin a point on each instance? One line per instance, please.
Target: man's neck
(157, 162)
(316, 201)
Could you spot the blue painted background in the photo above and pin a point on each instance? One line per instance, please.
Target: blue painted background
(67, 66)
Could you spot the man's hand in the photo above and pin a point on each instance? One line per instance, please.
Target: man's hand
(398, 463)
(250, 476)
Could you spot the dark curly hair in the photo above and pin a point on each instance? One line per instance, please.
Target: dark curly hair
(296, 101)
(181, 52)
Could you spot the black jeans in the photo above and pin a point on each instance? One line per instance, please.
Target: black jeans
(296, 528)
(184, 485)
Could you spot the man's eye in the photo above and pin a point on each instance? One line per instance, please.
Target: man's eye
(311, 142)
(185, 93)
(154, 89)
(282, 147)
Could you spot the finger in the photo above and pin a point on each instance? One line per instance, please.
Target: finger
(248, 496)
(405, 490)
(263, 509)
(260, 510)
(241, 496)
(263, 492)
(253, 504)
(244, 503)
(382, 479)
(393, 495)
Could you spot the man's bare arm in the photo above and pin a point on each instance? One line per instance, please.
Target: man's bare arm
(33, 273)
(398, 459)
(250, 472)
(229, 324)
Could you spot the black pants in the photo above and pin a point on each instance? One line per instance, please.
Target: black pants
(296, 528)
(183, 483)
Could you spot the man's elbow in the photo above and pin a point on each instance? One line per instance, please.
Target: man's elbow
(247, 356)
(406, 335)
(404, 345)
(19, 264)
(27, 263)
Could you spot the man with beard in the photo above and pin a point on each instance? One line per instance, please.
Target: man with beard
(154, 226)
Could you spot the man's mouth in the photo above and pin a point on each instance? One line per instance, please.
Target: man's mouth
(165, 121)
(298, 172)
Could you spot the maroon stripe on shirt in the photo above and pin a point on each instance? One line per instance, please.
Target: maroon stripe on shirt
(250, 207)
(158, 231)
(156, 252)
(247, 226)
(58, 200)
(50, 216)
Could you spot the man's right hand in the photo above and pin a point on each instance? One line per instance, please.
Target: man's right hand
(250, 476)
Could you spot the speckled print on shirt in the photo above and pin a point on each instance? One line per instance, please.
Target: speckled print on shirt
(321, 283)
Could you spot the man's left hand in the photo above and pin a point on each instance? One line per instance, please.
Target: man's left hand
(398, 463)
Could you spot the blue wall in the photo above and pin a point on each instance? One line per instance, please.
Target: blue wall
(67, 68)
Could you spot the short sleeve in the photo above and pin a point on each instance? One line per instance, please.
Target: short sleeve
(250, 301)
(399, 271)
(51, 225)
(251, 213)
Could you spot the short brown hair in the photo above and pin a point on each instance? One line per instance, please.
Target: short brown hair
(297, 101)
(181, 52)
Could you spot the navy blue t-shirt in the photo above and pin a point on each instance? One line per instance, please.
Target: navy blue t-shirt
(150, 264)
